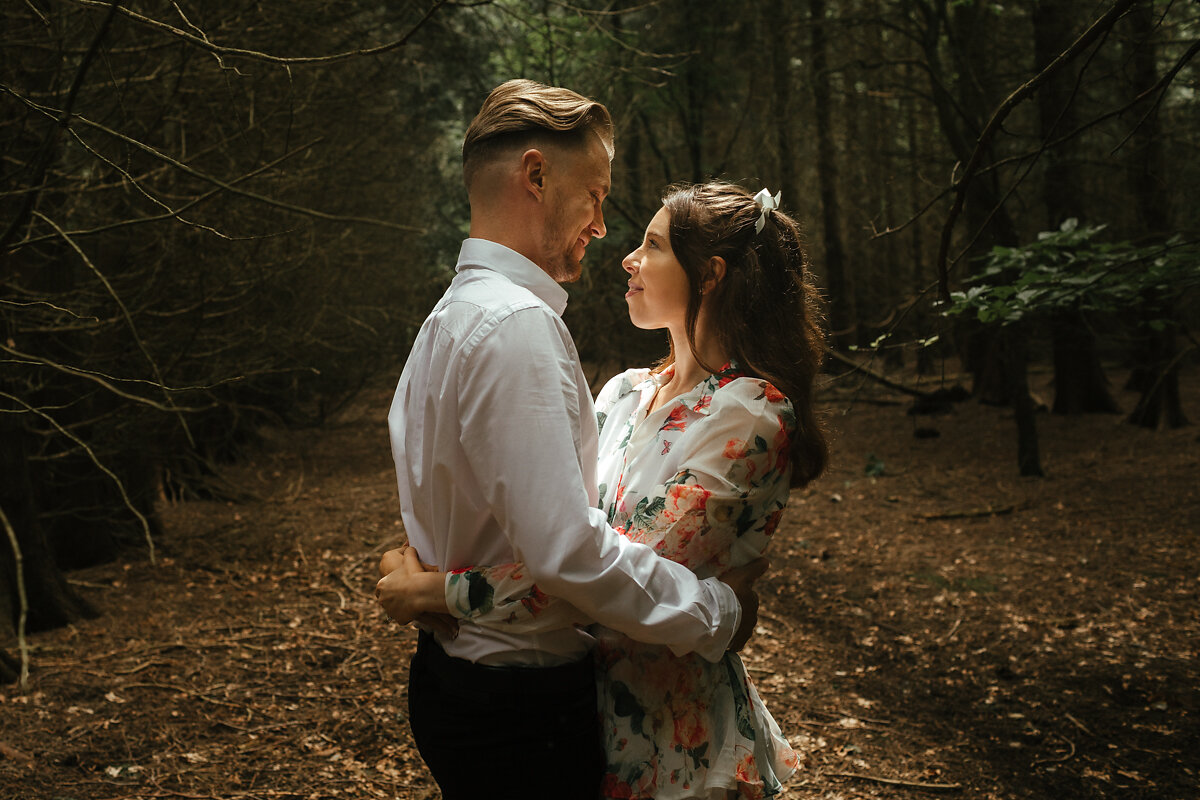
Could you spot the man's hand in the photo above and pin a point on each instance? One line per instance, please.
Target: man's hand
(741, 580)
(411, 591)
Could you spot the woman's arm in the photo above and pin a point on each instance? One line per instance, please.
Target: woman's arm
(731, 483)
(502, 597)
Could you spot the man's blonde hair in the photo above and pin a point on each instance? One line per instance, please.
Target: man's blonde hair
(521, 112)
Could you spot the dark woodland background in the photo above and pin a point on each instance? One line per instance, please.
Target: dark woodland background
(215, 217)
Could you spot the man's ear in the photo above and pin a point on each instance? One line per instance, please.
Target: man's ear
(533, 172)
(716, 274)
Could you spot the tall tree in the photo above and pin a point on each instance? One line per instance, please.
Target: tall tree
(1080, 384)
(842, 312)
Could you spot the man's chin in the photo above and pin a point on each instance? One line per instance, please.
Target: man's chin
(569, 269)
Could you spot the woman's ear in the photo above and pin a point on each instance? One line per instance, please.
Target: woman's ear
(716, 274)
(533, 173)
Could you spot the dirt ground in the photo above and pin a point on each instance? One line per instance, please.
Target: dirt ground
(933, 624)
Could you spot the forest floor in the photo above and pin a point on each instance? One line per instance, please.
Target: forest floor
(932, 625)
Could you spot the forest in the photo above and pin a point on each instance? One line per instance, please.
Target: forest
(221, 226)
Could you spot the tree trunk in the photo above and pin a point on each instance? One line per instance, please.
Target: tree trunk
(987, 360)
(780, 40)
(52, 602)
(1080, 384)
(841, 291)
(1157, 377)
(1016, 358)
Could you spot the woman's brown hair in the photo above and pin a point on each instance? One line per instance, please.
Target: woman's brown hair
(764, 312)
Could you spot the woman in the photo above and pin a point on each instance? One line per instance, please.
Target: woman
(696, 460)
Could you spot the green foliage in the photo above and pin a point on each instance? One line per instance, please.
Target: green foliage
(1071, 269)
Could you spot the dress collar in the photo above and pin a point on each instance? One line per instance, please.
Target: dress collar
(486, 254)
(700, 396)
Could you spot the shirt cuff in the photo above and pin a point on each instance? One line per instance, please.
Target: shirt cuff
(727, 623)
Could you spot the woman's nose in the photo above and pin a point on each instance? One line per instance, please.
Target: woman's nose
(630, 262)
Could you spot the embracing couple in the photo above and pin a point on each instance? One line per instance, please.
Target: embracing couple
(591, 564)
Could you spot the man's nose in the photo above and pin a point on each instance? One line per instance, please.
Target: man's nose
(598, 229)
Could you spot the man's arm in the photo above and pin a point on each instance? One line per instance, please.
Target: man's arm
(517, 401)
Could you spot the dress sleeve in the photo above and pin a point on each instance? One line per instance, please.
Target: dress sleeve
(721, 507)
(506, 597)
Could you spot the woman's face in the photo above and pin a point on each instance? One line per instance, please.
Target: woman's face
(658, 286)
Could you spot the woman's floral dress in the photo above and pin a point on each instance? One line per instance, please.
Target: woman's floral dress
(703, 480)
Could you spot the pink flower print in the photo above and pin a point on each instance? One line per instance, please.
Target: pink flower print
(772, 394)
(690, 730)
(735, 449)
(666, 448)
(615, 787)
(502, 571)
(676, 420)
(619, 498)
(536, 601)
(676, 545)
(745, 768)
(703, 403)
(686, 497)
(782, 446)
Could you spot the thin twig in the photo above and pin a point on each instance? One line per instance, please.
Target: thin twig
(98, 464)
(933, 787)
(1060, 758)
(22, 598)
(62, 122)
(215, 181)
(218, 50)
(989, 511)
(1097, 28)
(137, 338)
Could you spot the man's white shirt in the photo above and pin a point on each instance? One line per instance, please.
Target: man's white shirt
(493, 433)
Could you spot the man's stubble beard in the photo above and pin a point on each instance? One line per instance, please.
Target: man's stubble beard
(563, 267)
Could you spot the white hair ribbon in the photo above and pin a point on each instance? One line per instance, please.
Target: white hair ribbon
(766, 202)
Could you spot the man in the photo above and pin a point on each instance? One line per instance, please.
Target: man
(494, 436)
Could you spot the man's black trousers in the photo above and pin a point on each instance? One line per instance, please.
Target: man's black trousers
(505, 732)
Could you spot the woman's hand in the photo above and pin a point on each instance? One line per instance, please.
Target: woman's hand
(411, 591)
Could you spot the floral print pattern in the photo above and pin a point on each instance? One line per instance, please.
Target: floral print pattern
(703, 480)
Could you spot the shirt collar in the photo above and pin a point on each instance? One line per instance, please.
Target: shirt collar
(487, 254)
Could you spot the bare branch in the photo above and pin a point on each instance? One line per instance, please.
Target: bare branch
(128, 321)
(22, 598)
(176, 213)
(219, 51)
(227, 186)
(1099, 27)
(106, 381)
(97, 463)
(46, 153)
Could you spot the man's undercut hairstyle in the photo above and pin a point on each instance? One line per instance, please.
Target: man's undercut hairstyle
(523, 113)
